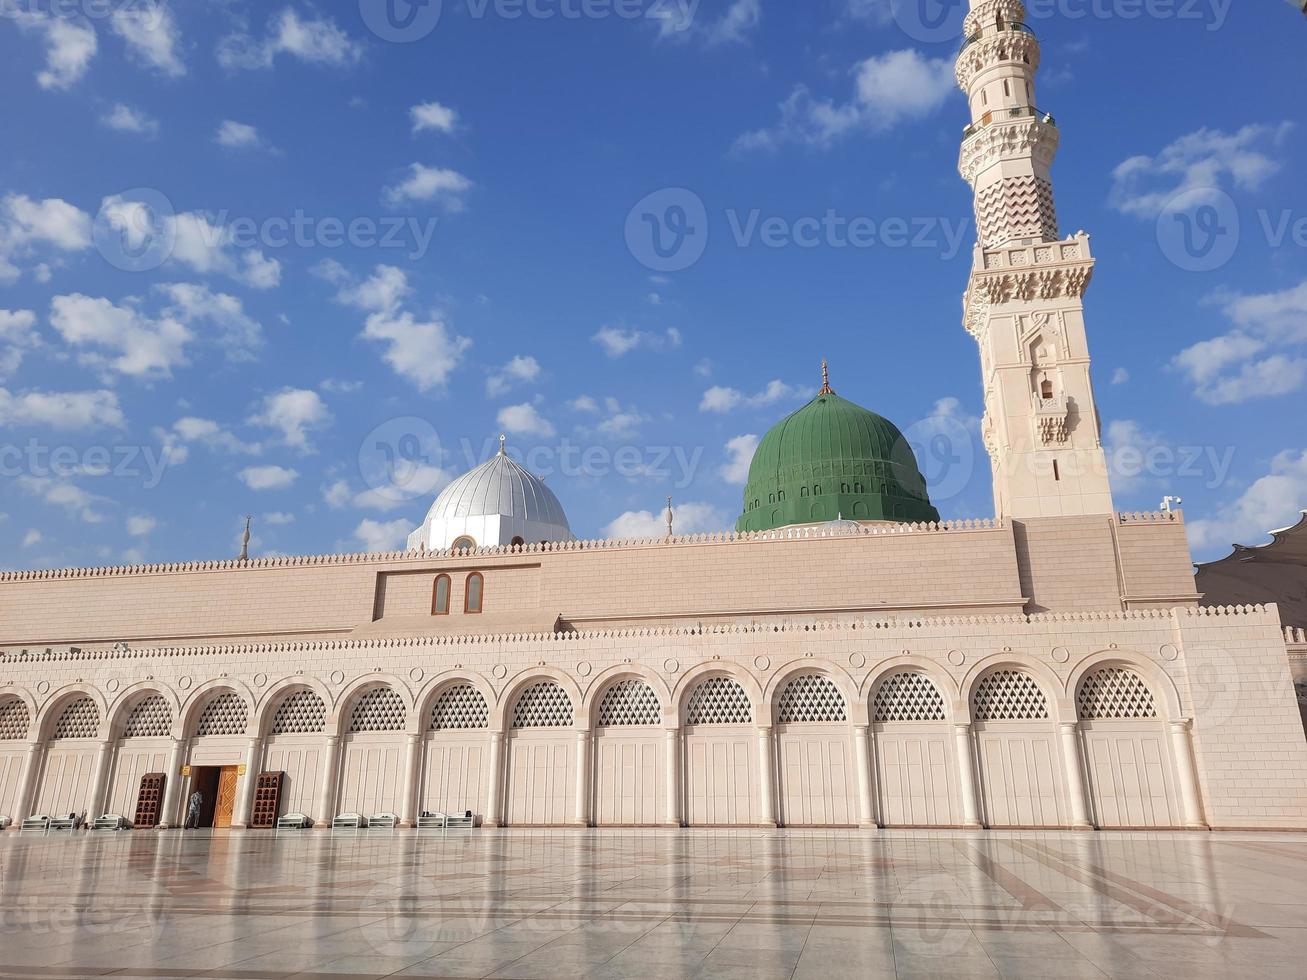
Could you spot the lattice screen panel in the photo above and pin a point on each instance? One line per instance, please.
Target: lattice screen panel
(14, 720)
(151, 718)
(630, 702)
(718, 701)
(810, 698)
(81, 719)
(1009, 695)
(301, 712)
(909, 696)
(543, 705)
(378, 710)
(460, 708)
(1114, 692)
(227, 714)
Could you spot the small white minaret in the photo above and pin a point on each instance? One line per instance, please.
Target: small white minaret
(1024, 301)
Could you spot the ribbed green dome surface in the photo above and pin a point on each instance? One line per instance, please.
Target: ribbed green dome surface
(833, 458)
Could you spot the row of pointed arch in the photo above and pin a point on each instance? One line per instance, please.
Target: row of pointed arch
(910, 696)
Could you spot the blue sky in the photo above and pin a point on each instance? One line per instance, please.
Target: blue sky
(174, 354)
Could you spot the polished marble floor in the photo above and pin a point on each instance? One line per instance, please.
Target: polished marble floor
(649, 905)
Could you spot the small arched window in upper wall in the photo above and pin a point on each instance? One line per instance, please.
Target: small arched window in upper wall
(465, 544)
(440, 597)
(474, 596)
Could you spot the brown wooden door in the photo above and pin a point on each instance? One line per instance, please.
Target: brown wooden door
(226, 804)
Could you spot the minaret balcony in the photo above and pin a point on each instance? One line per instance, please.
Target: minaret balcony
(993, 49)
(1019, 28)
(1007, 115)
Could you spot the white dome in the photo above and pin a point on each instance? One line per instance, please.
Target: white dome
(492, 505)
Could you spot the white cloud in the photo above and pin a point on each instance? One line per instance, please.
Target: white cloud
(238, 334)
(583, 403)
(67, 411)
(210, 434)
(1264, 356)
(620, 341)
(17, 336)
(125, 119)
(208, 249)
(873, 11)
(680, 23)
(739, 454)
(337, 494)
(621, 423)
(380, 293)
(1274, 501)
(1203, 160)
(721, 400)
(520, 369)
(294, 412)
(1120, 376)
(61, 493)
(125, 340)
(422, 351)
(152, 36)
(278, 519)
(26, 224)
(378, 537)
(69, 46)
(237, 135)
(433, 116)
(434, 184)
(268, 477)
(32, 538)
(524, 420)
(317, 41)
(404, 484)
(689, 518)
(889, 89)
(138, 526)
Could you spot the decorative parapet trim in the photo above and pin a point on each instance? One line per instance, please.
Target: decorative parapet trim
(945, 624)
(1151, 517)
(1295, 637)
(816, 532)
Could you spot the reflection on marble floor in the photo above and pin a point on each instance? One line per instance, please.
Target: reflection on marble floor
(651, 904)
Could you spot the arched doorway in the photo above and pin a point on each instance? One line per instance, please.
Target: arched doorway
(70, 757)
(295, 745)
(372, 761)
(629, 756)
(1131, 779)
(541, 758)
(455, 777)
(15, 722)
(143, 747)
(216, 755)
(1021, 780)
(815, 765)
(916, 766)
(721, 756)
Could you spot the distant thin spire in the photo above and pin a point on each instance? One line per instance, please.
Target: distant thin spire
(503, 439)
(826, 389)
(245, 539)
(670, 518)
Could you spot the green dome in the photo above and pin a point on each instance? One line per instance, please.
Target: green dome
(829, 459)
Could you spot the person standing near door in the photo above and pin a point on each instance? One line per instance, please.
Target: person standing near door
(193, 807)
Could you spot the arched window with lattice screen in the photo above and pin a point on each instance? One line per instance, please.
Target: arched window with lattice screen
(79, 719)
(810, 698)
(1008, 695)
(15, 720)
(378, 710)
(718, 701)
(543, 705)
(150, 718)
(907, 696)
(302, 712)
(629, 703)
(226, 714)
(1114, 693)
(459, 707)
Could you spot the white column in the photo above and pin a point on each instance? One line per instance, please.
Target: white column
(766, 777)
(493, 817)
(581, 815)
(1075, 776)
(31, 772)
(1191, 796)
(99, 781)
(672, 751)
(412, 762)
(326, 808)
(172, 784)
(242, 813)
(967, 773)
(866, 777)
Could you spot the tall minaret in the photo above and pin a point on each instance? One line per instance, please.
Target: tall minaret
(1024, 300)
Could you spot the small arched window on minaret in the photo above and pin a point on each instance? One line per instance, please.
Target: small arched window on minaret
(1046, 390)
